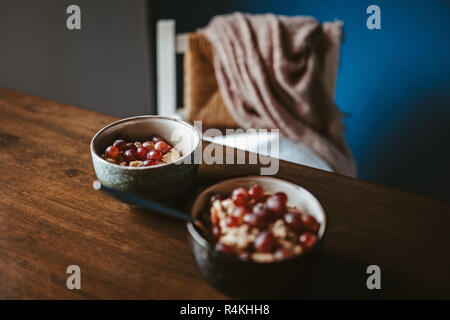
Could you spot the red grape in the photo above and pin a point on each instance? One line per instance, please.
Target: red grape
(239, 196)
(141, 153)
(240, 191)
(223, 248)
(112, 152)
(239, 200)
(154, 155)
(149, 145)
(161, 146)
(282, 196)
(149, 163)
(256, 192)
(261, 209)
(231, 221)
(307, 240)
(254, 220)
(265, 242)
(276, 205)
(129, 155)
(156, 139)
(240, 212)
(294, 220)
(130, 146)
(310, 223)
(120, 144)
(216, 196)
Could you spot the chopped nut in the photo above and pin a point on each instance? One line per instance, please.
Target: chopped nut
(228, 205)
(171, 156)
(110, 160)
(279, 229)
(298, 249)
(137, 163)
(286, 244)
(138, 144)
(263, 257)
(238, 237)
(217, 213)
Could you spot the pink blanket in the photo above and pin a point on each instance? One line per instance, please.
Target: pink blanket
(270, 70)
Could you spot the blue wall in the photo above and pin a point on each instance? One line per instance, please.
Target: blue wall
(394, 83)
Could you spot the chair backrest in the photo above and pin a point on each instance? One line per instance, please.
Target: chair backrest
(168, 44)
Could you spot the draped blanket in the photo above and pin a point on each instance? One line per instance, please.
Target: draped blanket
(271, 71)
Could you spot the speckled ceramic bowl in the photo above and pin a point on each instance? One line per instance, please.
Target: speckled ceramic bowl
(162, 182)
(252, 280)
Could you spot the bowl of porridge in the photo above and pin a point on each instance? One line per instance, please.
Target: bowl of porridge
(150, 156)
(265, 235)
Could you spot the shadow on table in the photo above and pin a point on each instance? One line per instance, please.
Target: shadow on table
(335, 276)
(340, 278)
(410, 150)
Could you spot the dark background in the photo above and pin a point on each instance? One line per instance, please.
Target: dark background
(393, 83)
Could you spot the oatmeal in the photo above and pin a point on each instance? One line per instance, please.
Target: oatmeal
(253, 225)
(136, 154)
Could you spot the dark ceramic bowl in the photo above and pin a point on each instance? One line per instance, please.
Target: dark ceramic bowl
(252, 280)
(162, 182)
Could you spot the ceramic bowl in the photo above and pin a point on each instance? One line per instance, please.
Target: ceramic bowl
(164, 182)
(252, 280)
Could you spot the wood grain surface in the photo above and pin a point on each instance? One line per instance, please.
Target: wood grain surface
(51, 218)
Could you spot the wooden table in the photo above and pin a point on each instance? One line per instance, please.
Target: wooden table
(51, 218)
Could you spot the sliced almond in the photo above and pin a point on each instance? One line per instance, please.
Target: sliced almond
(171, 156)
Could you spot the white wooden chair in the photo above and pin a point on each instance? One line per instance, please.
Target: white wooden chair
(169, 44)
